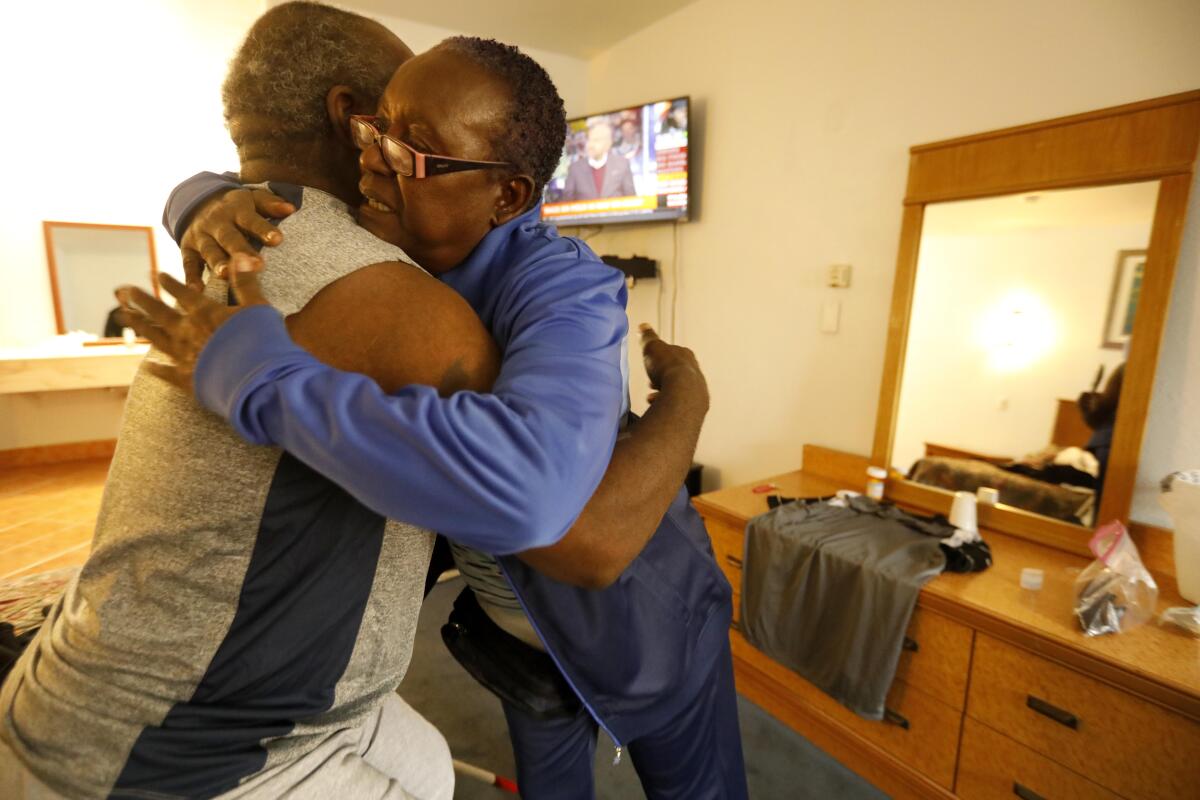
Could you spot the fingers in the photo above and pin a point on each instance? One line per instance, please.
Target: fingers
(243, 277)
(134, 299)
(269, 204)
(189, 299)
(193, 269)
(213, 254)
(232, 241)
(147, 330)
(170, 373)
(648, 334)
(259, 228)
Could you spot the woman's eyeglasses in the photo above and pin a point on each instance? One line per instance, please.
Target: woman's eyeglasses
(404, 160)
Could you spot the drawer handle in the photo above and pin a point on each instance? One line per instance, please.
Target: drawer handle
(1025, 793)
(911, 645)
(733, 561)
(1053, 712)
(893, 718)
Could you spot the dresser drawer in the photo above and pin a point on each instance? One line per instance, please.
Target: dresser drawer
(1133, 747)
(728, 543)
(923, 731)
(994, 767)
(937, 657)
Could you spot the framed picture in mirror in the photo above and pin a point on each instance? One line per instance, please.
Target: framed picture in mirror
(86, 261)
(1122, 302)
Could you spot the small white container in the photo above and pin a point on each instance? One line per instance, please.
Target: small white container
(1032, 579)
(987, 496)
(876, 482)
(962, 512)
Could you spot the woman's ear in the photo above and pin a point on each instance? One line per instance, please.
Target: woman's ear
(515, 198)
(340, 104)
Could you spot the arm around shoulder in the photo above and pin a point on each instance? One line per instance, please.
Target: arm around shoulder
(399, 326)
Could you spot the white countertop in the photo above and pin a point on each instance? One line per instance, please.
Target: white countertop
(63, 363)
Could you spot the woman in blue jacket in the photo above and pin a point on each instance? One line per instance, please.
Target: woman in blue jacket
(506, 472)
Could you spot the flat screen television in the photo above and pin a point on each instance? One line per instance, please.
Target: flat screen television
(629, 165)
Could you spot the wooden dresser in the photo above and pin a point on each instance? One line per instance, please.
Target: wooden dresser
(998, 694)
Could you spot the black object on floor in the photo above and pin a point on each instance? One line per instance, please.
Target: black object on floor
(780, 764)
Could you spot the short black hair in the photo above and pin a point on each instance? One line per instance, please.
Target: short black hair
(537, 120)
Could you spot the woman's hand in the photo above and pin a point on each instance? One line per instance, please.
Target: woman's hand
(670, 365)
(223, 227)
(182, 333)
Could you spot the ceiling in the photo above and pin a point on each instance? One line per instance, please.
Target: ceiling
(575, 29)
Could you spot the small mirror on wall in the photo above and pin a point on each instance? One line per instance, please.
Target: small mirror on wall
(86, 262)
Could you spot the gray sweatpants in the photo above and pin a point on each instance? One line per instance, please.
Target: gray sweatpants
(396, 754)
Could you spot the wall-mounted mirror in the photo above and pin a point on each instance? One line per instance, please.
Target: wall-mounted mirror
(1021, 313)
(86, 262)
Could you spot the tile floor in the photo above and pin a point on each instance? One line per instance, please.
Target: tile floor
(47, 514)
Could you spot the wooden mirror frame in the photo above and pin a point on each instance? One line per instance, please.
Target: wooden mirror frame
(1151, 140)
(48, 227)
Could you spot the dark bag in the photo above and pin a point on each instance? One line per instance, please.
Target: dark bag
(11, 646)
(518, 674)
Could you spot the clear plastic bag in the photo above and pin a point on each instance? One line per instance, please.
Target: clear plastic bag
(1115, 592)
(1186, 618)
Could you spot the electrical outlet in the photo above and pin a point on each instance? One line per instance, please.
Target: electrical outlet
(839, 276)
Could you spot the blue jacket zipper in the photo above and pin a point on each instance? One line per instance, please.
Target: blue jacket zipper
(550, 652)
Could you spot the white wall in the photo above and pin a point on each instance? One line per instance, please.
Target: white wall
(966, 387)
(116, 102)
(109, 105)
(804, 112)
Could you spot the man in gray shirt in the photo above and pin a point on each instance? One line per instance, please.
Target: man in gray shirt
(242, 623)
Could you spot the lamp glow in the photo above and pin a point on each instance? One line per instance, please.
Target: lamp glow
(1017, 332)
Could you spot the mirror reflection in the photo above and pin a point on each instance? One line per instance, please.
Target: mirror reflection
(86, 261)
(1021, 315)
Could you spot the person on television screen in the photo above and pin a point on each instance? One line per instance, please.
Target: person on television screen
(630, 144)
(596, 175)
(677, 118)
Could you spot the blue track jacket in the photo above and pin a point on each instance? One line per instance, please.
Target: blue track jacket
(502, 472)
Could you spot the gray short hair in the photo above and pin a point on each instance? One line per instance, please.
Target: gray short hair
(290, 59)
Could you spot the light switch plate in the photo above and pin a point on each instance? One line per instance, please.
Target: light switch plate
(831, 313)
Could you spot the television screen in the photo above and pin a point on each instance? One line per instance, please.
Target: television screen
(629, 165)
